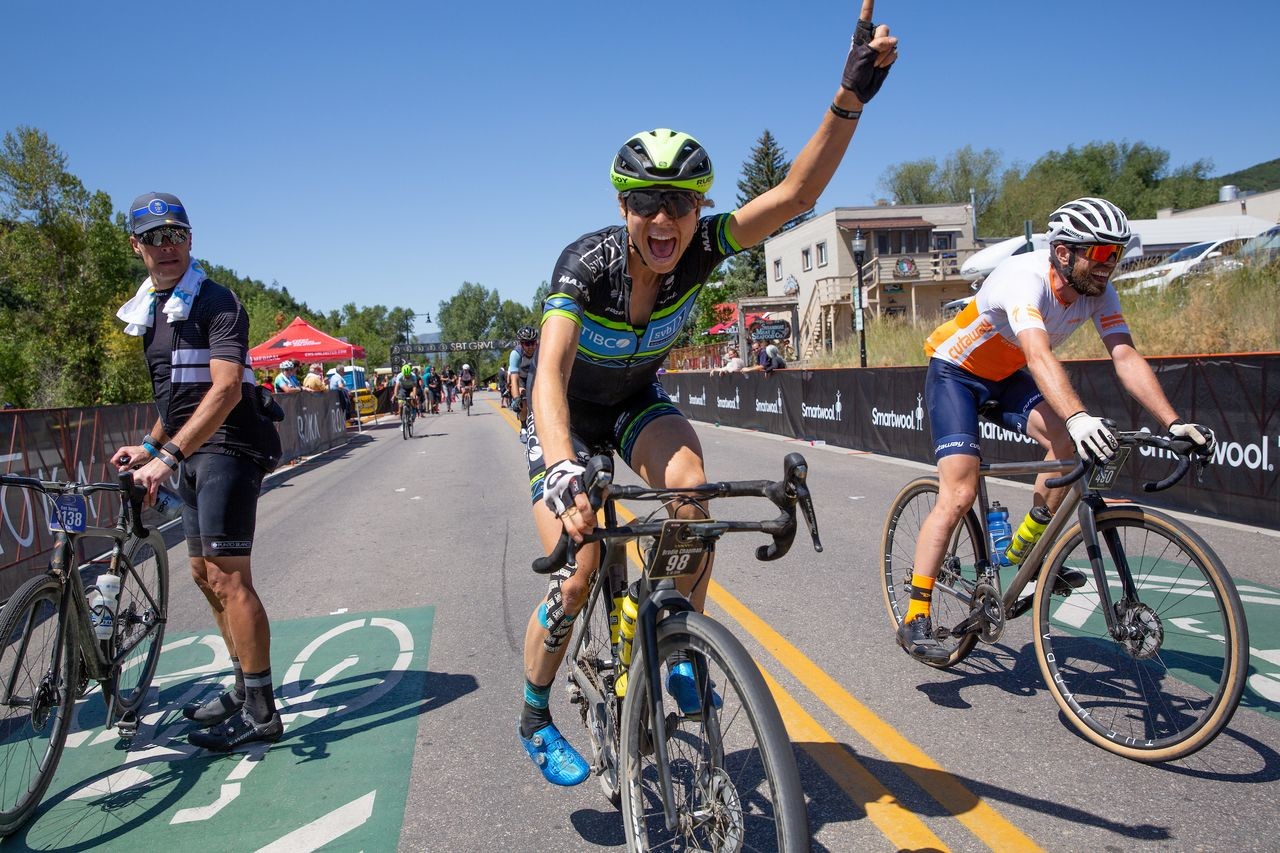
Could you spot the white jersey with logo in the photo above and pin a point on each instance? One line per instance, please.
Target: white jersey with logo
(983, 338)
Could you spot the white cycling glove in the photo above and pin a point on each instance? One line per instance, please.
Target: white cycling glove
(562, 483)
(1092, 436)
(1203, 437)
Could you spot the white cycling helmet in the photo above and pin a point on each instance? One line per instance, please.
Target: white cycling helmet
(286, 365)
(466, 367)
(1090, 221)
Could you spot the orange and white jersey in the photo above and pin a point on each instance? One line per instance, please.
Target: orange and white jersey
(983, 338)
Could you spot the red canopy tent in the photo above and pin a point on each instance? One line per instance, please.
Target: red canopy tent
(730, 326)
(301, 341)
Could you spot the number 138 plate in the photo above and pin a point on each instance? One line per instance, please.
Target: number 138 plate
(70, 514)
(676, 554)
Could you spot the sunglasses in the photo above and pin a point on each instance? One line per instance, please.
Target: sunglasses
(646, 203)
(167, 235)
(1101, 254)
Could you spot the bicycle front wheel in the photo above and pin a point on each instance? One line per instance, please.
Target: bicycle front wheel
(1169, 678)
(733, 773)
(140, 618)
(38, 677)
(957, 576)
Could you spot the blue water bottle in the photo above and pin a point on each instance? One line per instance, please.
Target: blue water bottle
(1001, 533)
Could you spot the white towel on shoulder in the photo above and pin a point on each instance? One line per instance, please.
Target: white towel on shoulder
(137, 312)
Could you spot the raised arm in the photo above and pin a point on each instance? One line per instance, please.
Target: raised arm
(870, 56)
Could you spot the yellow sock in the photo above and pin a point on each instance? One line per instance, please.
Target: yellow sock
(921, 597)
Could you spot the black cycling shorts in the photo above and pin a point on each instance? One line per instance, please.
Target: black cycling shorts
(221, 494)
(594, 428)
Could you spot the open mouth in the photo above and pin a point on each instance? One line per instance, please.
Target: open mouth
(662, 249)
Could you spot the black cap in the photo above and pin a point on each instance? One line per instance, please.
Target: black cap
(151, 210)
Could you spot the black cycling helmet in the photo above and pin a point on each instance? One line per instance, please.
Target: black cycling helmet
(526, 334)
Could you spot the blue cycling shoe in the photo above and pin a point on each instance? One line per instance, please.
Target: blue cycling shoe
(682, 687)
(559, 762)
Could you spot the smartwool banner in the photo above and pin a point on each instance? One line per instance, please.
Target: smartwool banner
(882, 410)
(76, 444)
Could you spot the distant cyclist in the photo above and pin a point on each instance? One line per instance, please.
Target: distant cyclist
(995, 358)
(433, 391)
(504, 392)
(407, 393)
(619, 298)
(467, 383)
(519, 363)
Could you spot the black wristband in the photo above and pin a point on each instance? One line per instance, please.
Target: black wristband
(168, 460)
(150, 439)
(846, 114)
(174, 451)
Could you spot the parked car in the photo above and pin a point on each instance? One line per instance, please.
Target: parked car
(1178, 264)
(1257, 251)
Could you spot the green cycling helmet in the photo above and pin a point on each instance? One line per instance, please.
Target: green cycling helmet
(662, 158)
(405, 370)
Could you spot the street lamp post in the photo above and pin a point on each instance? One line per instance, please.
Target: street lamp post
(859, 321)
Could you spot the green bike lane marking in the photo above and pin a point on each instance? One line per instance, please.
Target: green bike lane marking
(352, 688)
(1262, 616)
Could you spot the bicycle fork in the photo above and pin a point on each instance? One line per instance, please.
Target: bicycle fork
(670, 601)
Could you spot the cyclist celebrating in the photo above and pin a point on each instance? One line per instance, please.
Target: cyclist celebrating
(619, 298)
(448, 386)
(996, 358)
(519, 363)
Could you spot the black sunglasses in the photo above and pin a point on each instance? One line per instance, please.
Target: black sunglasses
(167, 235)
(646, 203)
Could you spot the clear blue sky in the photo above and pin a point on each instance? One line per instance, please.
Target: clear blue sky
(383, 153)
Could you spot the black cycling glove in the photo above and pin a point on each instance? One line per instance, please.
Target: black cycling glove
(861, 76)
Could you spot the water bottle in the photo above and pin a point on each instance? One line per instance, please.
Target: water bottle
(1028, 534)
(168, 505)
(103, 605)
(627, 631)
(1001, 533)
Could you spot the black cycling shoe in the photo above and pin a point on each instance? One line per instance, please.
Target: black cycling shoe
(238, 730)
(916, 639)
(1067, 580)
(216, 710)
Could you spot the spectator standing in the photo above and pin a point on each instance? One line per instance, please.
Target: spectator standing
(336, 383)
(212, 433)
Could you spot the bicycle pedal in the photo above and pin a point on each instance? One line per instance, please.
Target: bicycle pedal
(1022, 605)
(127, 729)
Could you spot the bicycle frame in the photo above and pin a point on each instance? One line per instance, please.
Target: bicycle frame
(1086, 505)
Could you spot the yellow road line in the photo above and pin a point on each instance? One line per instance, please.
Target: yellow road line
(971, 810)
(897, 823)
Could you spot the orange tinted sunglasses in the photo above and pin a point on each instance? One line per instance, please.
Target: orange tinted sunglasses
(1102, 254)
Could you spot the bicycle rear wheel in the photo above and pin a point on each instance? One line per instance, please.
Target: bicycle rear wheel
(958, 575)
(140, 619)
(37, 695)
(1172, 683)
(733, 772)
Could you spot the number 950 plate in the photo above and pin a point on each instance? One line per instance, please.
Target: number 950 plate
(676, 553)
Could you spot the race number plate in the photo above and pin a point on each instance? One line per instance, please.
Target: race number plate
(1105, 476)
(676, 553)
(70, 514)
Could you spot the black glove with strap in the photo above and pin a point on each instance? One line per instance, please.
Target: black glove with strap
(866, 67)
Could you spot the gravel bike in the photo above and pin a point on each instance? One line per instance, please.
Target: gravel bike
(408, 414)
(1148, 659)
(718, 779)
(467, 393)
(49, 650)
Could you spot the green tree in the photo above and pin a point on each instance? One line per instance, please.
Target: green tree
(468, 314)
(925, 182)
(1135, 176)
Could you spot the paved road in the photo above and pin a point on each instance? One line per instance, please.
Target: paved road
(396, 576)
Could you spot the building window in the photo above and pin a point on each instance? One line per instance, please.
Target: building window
(806, 259)
(822, 254)
(882, 243)
(777, 270)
